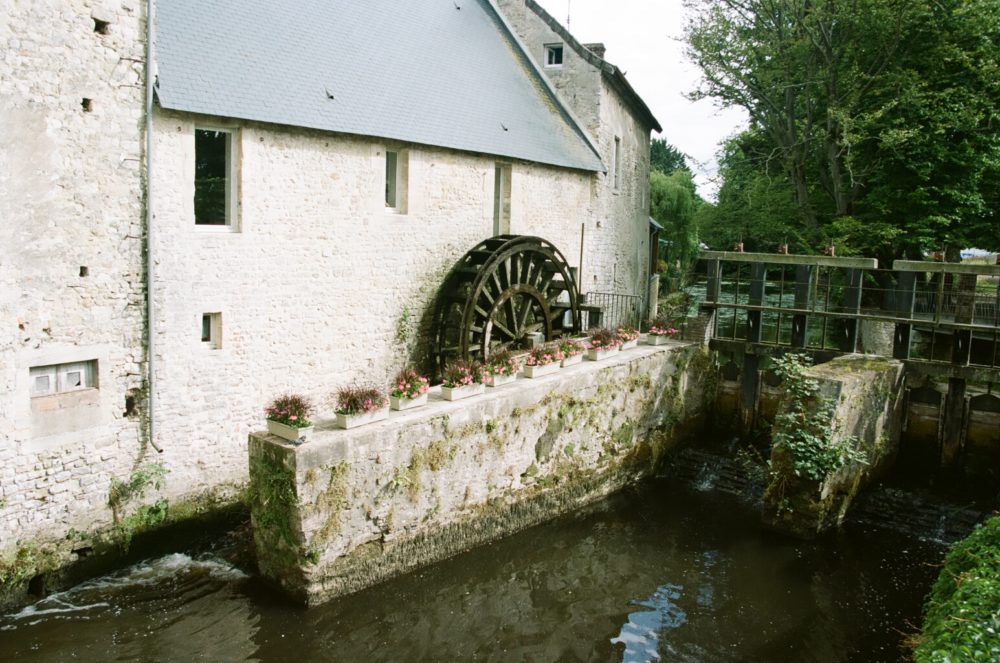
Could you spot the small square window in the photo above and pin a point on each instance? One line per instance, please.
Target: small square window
(396, 176)
(501, 198)
(553, 55)
(215, 182)
(211, 330)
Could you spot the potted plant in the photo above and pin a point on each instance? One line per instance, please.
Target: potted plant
(501, 368)
(660, 331)
(572, 352)
(409, 390)
(603, 344)
(288, 417)
(543, 360)
(360, 405)
(462, 379)
(629, 336)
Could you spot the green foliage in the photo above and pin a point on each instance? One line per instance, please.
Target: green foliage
(147, 476)
(20, 566)
(272, 498)
(665, 158)
(673, 202)
(291, 409)
(802, 429)
(962, 614)
(121, 493)
(875, 119)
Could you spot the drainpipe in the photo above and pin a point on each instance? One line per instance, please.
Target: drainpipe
(150, 262)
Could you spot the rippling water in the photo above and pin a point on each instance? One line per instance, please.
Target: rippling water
(657, 573)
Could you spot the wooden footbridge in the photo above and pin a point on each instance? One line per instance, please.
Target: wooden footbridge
(940, 319)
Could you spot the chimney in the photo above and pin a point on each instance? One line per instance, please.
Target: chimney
(597, 49)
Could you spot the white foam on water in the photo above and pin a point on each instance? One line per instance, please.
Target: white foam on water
(74, 601)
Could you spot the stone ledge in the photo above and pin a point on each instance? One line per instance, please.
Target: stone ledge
(350, 508)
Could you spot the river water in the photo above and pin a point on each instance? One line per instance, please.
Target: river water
(659, 572)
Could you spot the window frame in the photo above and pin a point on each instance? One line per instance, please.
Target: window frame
(617, 164)
(232, 201)
(553, 49)
(503, 180)
(214, 321)
(399, 183)
(59, 377)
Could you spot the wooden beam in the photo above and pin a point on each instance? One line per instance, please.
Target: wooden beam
(946, 267)
(783, 259)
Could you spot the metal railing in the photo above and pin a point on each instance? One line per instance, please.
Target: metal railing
(611, 310)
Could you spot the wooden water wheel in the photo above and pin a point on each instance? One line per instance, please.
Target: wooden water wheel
(501, 294)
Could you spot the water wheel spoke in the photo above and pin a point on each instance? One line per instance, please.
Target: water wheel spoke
(526, 309)
(502, 329)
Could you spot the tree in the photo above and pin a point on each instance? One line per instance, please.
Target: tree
(673, 202)
(881, 116)
(665, 158)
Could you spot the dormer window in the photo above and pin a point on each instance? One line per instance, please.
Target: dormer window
(553, 55)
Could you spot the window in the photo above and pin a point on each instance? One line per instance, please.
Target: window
(553, 55)
(616, 164)
(61, 378)
(396, 173)
(501, 199)
(214, 178)
(211, 330)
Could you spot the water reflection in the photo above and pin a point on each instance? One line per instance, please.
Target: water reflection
(709, 584)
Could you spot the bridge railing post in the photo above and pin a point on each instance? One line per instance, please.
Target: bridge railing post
(905, 297)
(852, 305)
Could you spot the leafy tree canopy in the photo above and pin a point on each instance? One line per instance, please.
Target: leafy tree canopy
(665, 158)
(874, 123)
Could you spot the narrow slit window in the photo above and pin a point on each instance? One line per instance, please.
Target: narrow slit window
(501, 199)
(553, 55)
(617, 163)
(214, 178)
(396, 185)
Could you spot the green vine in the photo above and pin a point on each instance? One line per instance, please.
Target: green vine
(121, 493)
(802, 431)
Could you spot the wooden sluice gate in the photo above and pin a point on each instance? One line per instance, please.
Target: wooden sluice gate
(941, 320)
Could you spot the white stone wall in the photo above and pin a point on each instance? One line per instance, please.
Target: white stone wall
(616, 234)
(71, 230)
(313, 285)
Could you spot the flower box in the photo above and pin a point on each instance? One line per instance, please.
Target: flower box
(354, 420)
(539, 371)
(284, 431)
(598, 355)
(499, 380)
(400, 403)
(465, 391)
(658, 339)
(572, 359)
(628, 345)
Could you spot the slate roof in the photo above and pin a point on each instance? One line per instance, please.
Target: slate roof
(419, 71)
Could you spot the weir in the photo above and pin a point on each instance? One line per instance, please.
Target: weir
(350, 508)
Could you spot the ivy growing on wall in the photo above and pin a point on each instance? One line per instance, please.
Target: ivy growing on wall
(803, 429)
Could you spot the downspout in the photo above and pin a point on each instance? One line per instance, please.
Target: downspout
(150, 262)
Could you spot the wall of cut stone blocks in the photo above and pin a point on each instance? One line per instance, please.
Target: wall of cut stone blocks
(71, 265)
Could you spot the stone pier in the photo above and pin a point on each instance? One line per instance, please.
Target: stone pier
(867, 394)
(349, 509)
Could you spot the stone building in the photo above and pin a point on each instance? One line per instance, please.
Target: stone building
(312, 171)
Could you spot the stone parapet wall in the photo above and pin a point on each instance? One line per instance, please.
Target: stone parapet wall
(348, 509)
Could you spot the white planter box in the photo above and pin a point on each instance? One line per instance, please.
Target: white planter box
(500, 380)
(539, 371)
(355, 420)
(598, 355)
(628, 345)
(458, 393)
(399, 403)
(658, 339)
(284, 431)
(570, 361)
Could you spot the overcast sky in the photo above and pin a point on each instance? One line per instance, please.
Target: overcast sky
(643, 40)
